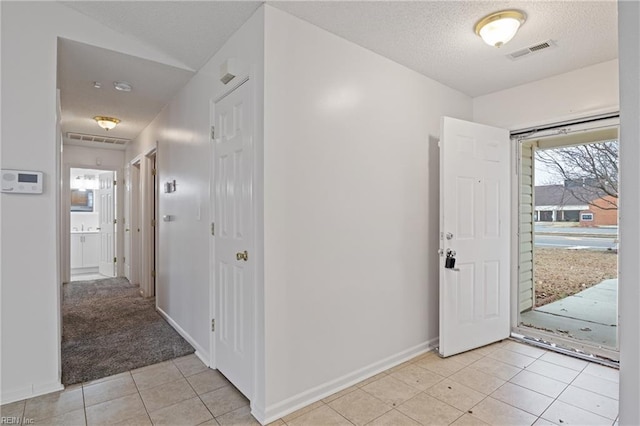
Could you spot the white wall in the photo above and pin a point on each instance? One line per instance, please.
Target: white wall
(182, 132)
(629, 257)
(30, 351)
(575, 94)
(350, 211)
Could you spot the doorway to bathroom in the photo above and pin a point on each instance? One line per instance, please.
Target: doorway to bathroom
(92, 224)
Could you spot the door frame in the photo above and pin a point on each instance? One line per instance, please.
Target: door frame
(252, 246)
(132, 215)
(65, 231)
(528, 334)
(144, 240)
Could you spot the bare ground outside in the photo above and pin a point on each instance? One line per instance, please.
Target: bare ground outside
(561, 272)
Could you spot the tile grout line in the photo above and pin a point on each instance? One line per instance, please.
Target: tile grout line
(140, 396)
(197, 394)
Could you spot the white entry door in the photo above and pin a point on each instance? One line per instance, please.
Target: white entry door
(234, 260)
(105, 197)
(475, 224)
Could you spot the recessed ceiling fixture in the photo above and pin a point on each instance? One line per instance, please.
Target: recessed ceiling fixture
(106, 123)
(122, 86)
(500, 27)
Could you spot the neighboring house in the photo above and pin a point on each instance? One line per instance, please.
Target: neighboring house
(559, 203)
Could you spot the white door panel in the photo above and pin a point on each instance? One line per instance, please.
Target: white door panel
(475, 224)
(105, 197)
(233, 164)
(127, 223)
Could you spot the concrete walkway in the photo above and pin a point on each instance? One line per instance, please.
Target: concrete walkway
(590, 315)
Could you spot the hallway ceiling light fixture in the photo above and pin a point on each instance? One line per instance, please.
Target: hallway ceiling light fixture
(500, 27)
(122, 86)
(106, 123)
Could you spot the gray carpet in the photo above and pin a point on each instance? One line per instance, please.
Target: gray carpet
(108, 328)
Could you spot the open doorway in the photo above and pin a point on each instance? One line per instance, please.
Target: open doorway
(568, 234)
(92, 221)
(141, 231)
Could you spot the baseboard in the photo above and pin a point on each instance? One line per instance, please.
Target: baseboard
(200, 352)
(29, 392)
(275, 411)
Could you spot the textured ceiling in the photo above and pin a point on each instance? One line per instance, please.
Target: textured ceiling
(434, 38)
(437, 38)
(190, 31)
(79, 65)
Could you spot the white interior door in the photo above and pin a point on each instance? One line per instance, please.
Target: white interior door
(234, 260)
(127, 223)
(105, 197)
(475, 213)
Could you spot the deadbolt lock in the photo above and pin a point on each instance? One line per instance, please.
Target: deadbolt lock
(242, 255)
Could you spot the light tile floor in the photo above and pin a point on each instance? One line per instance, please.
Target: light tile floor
(507, 383)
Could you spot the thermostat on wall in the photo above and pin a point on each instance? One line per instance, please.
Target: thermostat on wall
(21, 182)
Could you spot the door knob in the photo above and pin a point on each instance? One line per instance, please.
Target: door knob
(243, 255)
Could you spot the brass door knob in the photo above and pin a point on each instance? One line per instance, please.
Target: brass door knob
(242, 255)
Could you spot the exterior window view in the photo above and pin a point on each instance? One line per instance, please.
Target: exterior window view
(575, 243)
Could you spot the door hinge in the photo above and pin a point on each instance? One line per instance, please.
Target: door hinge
(153, 172)
(213, 228)
(124, 259)
(115, 221)
(153, 273)
(153, 222)
(213, 132)
(213, 325)
(115, 260)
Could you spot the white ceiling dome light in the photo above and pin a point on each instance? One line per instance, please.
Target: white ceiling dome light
(106, 123)
(500, 27)
(122, 86)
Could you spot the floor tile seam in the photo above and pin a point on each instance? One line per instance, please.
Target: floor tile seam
(470, 410)
(553, 378)
(522, 409)
(534, 391)
(446, 403)
(140, 396)
(597, 393)
(543, 376)
(222, 414)
(391, 405)
(336, 411)
(564, 366)
(527, 355)
(598, 377)
(549, 420)
(110, 399)
(586, 409)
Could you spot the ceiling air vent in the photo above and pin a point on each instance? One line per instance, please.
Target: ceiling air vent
(518, 54)
(96, 138)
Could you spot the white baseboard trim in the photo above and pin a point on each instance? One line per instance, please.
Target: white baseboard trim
(275, 411)
(30, 392)
(200, 352)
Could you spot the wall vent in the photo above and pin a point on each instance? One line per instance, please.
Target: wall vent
(96, 138)
(518, 54)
